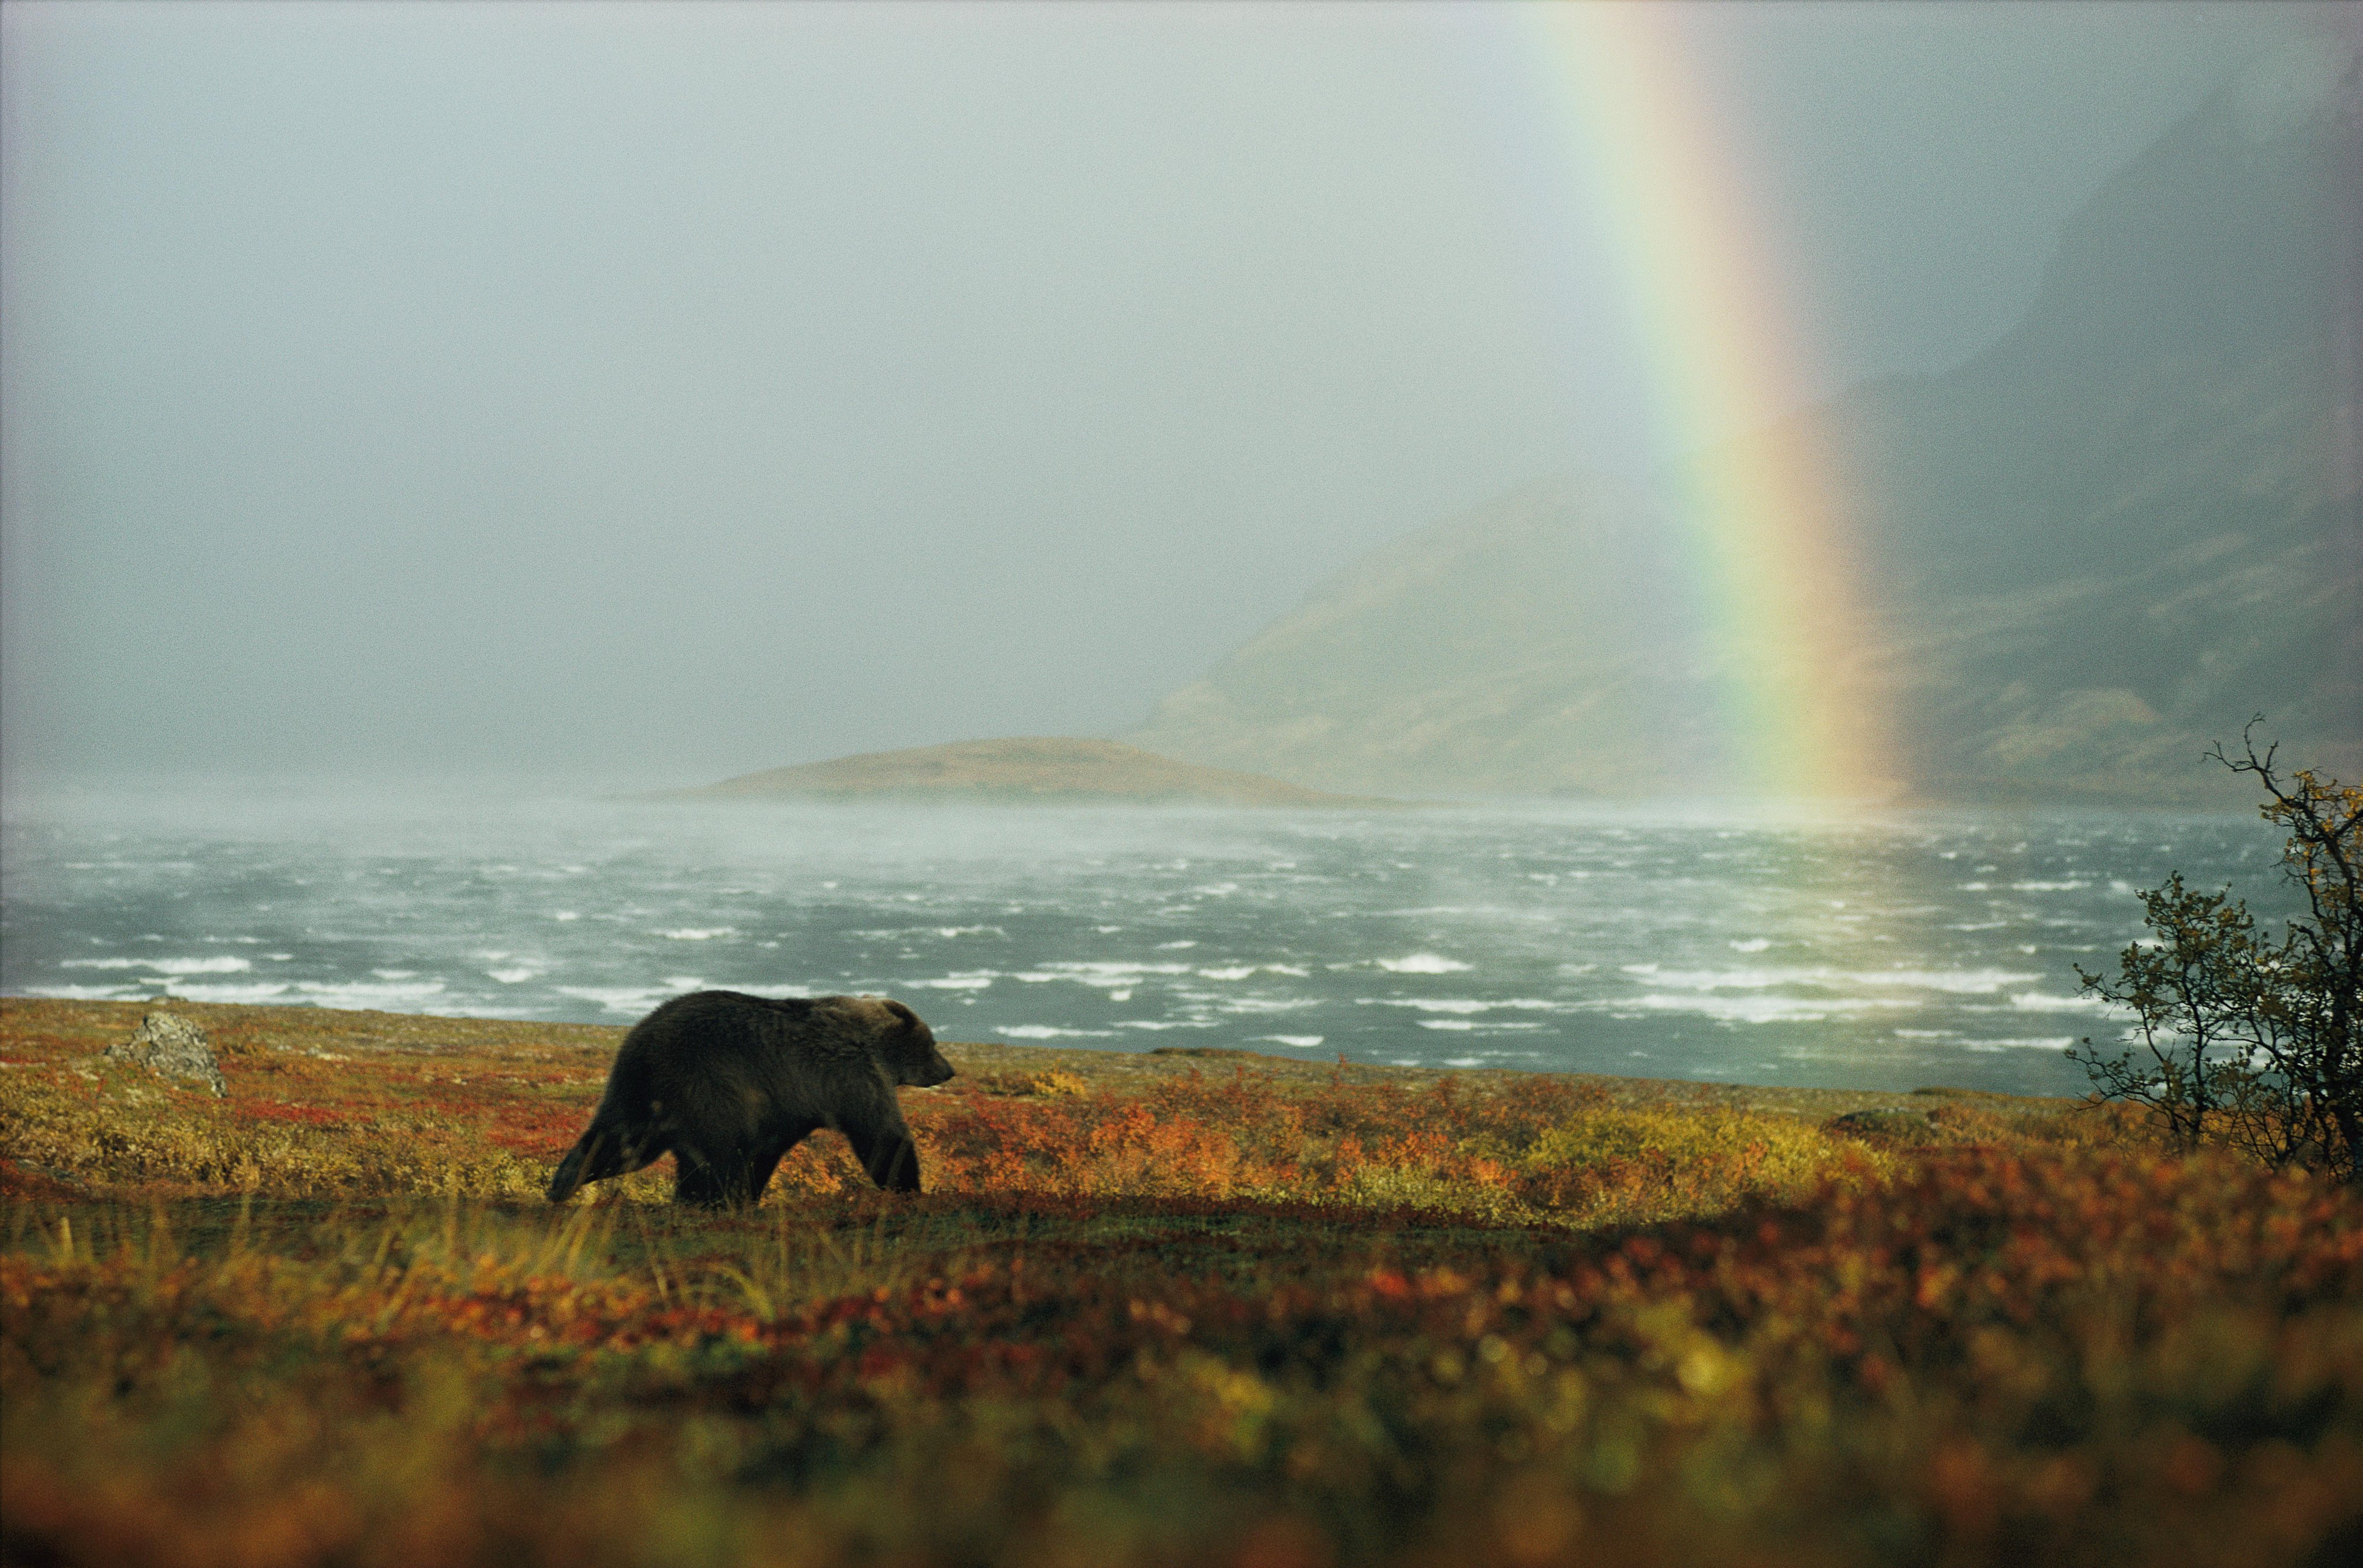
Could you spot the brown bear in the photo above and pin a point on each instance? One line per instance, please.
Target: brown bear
(730, 1083)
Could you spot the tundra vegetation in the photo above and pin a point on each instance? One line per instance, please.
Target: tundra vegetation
(1176, 1309)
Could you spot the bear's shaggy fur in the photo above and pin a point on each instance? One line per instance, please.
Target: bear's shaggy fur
(729, 1084)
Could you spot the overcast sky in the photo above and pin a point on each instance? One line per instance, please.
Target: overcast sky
(665, 391)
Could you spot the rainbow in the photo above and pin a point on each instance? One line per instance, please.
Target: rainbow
(1767, 522)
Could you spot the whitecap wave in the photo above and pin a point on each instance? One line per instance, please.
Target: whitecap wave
(1953, 982)
(634, 999)
(1462, 1026)
(216, 991)
(2041, 1002)
(1422, 964)
(224, 964)
(1464, 1003)
(1760, 1009)
(366, 994)
(1097, 972)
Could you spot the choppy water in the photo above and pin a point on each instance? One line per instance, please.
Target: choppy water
(1906, 950)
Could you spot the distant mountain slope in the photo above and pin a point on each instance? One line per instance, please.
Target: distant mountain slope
(2092, 551)
(1032, 768)
(1517, 649)
(2167, 443)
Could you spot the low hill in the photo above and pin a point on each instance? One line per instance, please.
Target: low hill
(1028, 768)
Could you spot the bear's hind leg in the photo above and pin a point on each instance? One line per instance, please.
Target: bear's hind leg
(732, 1179)
(605, 1149)
(758, 1175)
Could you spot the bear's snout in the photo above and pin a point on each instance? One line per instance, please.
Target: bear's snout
(936, 1071)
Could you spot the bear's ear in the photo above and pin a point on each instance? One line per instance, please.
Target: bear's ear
(909, 1019)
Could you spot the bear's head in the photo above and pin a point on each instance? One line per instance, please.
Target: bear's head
(904, 1046)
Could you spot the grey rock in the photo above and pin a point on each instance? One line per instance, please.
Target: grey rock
(173, 1046)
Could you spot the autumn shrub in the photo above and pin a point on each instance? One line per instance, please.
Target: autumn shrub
(1627, 1165)
(1449, 1147)
(2242, 1039)
(114, 1130)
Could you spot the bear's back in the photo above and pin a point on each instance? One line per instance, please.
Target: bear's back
(706, 1031)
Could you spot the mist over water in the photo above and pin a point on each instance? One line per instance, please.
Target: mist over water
(1890, 951)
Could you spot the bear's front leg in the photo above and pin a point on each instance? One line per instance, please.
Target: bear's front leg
(698, 1183)
(888, 1154)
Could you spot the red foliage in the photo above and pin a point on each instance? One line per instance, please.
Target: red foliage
(300, 1115)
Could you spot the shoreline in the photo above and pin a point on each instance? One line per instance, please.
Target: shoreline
(246, 1029)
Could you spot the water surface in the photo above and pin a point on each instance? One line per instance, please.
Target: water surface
(1890, 951)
